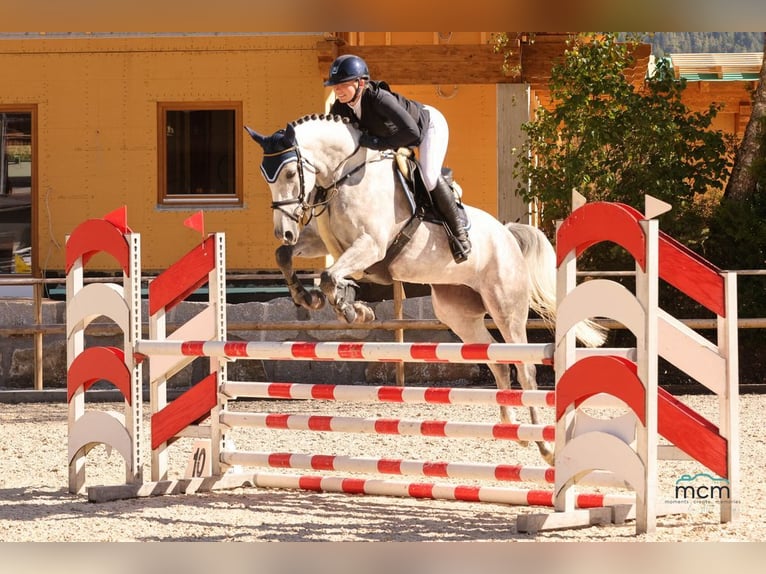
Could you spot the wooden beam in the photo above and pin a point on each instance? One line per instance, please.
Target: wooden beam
(422, 65)
(110, 493)
(537, 60)
(699, 95)
(467, 63)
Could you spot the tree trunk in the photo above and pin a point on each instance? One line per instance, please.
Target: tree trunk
(741, 185)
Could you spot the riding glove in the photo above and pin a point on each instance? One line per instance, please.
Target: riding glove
(371, 142)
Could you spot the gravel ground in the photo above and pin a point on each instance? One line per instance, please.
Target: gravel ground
(36, 506)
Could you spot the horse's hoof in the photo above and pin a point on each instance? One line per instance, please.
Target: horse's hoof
(315, 300)
(364, 314)
(349, 313)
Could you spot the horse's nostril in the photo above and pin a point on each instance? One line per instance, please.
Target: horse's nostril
(288, 236)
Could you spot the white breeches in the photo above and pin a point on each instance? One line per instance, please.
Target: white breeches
(433, 148)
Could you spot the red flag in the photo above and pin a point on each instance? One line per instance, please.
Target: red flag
(119, 218)
(196, 222)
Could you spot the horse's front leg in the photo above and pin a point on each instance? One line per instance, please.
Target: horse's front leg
(340, 291)
(302, 297)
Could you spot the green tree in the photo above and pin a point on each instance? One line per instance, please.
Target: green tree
(669, 43)
(613, 141)
(743, 182)
(738, 229)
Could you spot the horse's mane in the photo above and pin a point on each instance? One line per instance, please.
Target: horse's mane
(325, 117)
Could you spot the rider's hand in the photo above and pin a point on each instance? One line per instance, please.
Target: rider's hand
(369, 141)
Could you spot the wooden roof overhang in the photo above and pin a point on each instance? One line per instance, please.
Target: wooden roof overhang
(427, 64)
(532, 58)
(727, 79)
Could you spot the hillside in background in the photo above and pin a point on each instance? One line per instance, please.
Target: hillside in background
(667, 43)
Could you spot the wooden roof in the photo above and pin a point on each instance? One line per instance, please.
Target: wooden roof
(531, 61)
(729, 66)
(425, 64)
(726, 79)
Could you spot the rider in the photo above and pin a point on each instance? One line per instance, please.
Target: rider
(389, 121)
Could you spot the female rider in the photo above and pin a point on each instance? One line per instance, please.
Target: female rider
(389, 121)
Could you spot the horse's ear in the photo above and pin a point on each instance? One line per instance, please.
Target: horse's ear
(290, 133)
(256, 136)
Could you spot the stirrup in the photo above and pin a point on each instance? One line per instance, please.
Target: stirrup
(460, 249)
(459, 256)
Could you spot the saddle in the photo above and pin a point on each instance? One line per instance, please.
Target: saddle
(422, 208)
(409, 174)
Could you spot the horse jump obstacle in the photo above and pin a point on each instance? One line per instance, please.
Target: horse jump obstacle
(208, 398)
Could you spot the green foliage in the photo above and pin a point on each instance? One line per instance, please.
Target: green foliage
(667, 43)
(613, 142)
(738, 229)
(501, 42)
(738, 233)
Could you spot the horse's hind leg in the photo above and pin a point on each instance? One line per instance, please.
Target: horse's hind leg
(511, 321)
(462, 310)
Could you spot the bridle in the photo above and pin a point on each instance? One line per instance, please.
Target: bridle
(303, 206)
(321, 195)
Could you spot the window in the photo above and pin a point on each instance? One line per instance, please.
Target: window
(16, 185)
(200, 153)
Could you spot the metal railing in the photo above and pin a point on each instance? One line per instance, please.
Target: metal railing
(39, 329)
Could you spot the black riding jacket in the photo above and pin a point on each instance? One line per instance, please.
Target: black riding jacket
(389, 120)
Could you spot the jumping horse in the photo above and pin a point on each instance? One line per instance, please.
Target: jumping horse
(330, 196)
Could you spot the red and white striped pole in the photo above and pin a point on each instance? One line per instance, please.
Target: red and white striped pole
(411, 395)
(404, 467)
(541, 353)
(445, 429)
(380, 487)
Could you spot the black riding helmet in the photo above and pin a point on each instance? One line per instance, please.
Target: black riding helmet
(345, 68)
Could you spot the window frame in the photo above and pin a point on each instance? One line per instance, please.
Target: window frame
(31, 109)
(185, 200)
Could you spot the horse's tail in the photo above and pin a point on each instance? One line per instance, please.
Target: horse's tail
(541, 264)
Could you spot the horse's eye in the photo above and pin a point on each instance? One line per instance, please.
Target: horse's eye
(290, 174)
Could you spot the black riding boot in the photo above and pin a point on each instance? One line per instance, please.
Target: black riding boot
(444, 200)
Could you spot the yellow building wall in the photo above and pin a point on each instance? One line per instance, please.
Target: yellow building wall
(97, 127)
(97, 131)
(725, 122)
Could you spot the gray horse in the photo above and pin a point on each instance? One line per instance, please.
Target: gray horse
(332, 197)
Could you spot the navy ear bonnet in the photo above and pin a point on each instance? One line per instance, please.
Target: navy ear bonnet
(279, 149)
